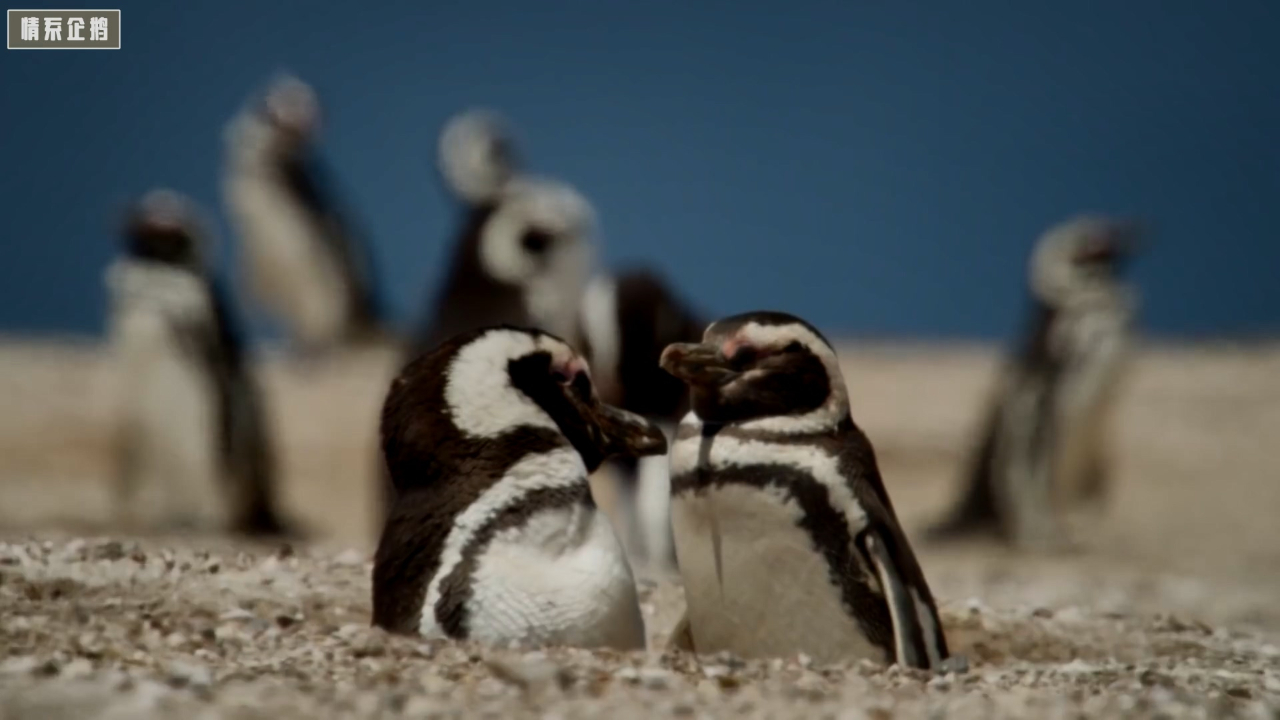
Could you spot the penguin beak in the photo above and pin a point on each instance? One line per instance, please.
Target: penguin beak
(612, 430)
(623, 433)
(1116, 244)
(697, 364)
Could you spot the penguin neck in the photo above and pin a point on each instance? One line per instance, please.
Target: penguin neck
(789, 429)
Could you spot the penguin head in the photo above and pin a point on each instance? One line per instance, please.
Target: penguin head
(162, 227)
(291, 110)
(540, 239)
(1081, 257)
(500, 385)
(477, 156)
(277, 125)
(767, 369)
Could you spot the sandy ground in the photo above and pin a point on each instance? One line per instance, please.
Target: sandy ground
(1170, 607)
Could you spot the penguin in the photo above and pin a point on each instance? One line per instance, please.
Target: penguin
(1043, 441)
(786, 538)
(525, 247)
(194, 447)
(524, 250)
(628, 317)
(493, 536)
(305, 262)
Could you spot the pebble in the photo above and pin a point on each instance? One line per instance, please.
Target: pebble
(350, 557)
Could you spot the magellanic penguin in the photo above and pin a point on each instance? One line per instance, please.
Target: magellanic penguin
(525, 247)
(304, 259)
(1045, 434)
(628, 318)
(786, 538)
(523, 253)
(194, 446)
(494, 536)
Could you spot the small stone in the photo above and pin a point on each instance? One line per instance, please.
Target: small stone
(526, 675)
(112, 550)
(182, 674)
(655, 678)
(19, 665)
(349, 557)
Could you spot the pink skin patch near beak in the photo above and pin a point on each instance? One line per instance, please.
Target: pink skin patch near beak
(571, 369)
(731, 347)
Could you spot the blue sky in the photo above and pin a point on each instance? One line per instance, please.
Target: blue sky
(879, 168)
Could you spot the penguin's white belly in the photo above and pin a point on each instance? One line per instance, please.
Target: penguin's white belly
(778, 599)
(170, 415)
(1085, 404)
(560, 579)
(287, 266)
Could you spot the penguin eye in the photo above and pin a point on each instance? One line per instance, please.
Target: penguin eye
(794, 347)
(560, 377)
(535, 241)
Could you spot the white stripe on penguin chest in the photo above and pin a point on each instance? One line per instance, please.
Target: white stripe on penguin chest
(778, 596)
(560, 577)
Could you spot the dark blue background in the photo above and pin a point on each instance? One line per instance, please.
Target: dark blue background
(878, 167)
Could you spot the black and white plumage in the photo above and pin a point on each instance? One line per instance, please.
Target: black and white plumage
(628, 318)
(524, 250)
(306, 262)
(1045, 433)
(493, 535)
(194, 446)
(786, 538)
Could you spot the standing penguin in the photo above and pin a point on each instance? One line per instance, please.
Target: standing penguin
(524, 251)
(525, 248)
(628, 318)
(493, 535)
(193, 439)
(1045, 433)
(786, 538)
(304, 260)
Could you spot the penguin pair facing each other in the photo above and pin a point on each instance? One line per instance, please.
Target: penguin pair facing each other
(786, 538)
(305, 261)
(194, 449)
(1044, 441)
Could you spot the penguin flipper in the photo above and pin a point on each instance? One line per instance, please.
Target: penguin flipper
(917, 631)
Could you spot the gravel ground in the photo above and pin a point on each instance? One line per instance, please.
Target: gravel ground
(1167, 609)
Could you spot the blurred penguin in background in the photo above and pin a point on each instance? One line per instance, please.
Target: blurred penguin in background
(1045, 438)
(193, 441)
(525, 245)
(628, 318)
(524, 248)
(305, 263)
